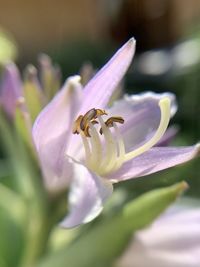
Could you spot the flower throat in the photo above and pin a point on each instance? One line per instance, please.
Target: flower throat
(104, 147)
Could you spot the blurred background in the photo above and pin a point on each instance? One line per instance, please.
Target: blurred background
(76, 32)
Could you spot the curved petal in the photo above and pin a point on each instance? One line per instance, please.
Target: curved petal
(55, 166)
(142, 116)
(154, 160)
(180, 213)
(54, 124)
(168, 136)
(165, 243)
(172, 240)
(172, 234)
(11, 89)
(100, 88)
(56, 118)
(87, 194)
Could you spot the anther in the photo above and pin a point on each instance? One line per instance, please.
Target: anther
(82, 122)
(101, 112)
(89, 116)
(110, 122)
(76, 127)
(86, 130)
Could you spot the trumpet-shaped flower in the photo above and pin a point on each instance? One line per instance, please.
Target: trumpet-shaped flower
(82, 142)
(172, 240)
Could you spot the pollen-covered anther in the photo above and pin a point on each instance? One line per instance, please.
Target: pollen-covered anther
(101, 112)
(110, 122)
(81, 124)
(76, 126)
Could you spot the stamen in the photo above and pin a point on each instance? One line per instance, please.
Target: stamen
(86, 131)
(121, 147)
(96, 156)
(76, 127)
(121, 153)
(164, 105)
(111, 149)
(110, 122)
(104, 161)
(90, 115)
(101, 112)
(82, 122)
(88, 154)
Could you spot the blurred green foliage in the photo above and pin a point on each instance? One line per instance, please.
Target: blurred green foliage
(100, 244)
(8, 47)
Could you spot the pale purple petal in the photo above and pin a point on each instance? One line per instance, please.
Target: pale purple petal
(142, 116)
(154, 160)
(57, 172)
(87, 195)
(11, 89)
(99, 89)
(53, 126)
(180, 213)
(171, 234)
(97, 92)
(169, 135)
(172, 240)
(57, 117)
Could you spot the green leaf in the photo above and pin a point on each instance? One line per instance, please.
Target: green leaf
(12, 220)
(13, 204)
(11, 241)
(102, 243)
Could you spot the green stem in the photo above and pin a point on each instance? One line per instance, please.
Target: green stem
(45, 212)
(38, 229)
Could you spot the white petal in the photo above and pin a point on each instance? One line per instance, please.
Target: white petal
(87, 195)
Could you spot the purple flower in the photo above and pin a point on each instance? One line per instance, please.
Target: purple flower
(107, 146)
(172, 240)
(11, 89)
(31, 94)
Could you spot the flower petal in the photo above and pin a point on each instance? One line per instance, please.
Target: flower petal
(57, 117)
(11, 89)
(53, 126)
(100, 88)
(172, 240)
(87, 195)
(154, 160)
(169, 135)
(55, 165)
(142, 116)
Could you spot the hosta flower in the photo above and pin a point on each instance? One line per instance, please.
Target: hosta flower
(11, 89)
(29, 94)
(83, 143)
(172, 240)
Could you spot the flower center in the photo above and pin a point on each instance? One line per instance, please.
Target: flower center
(103, 143)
